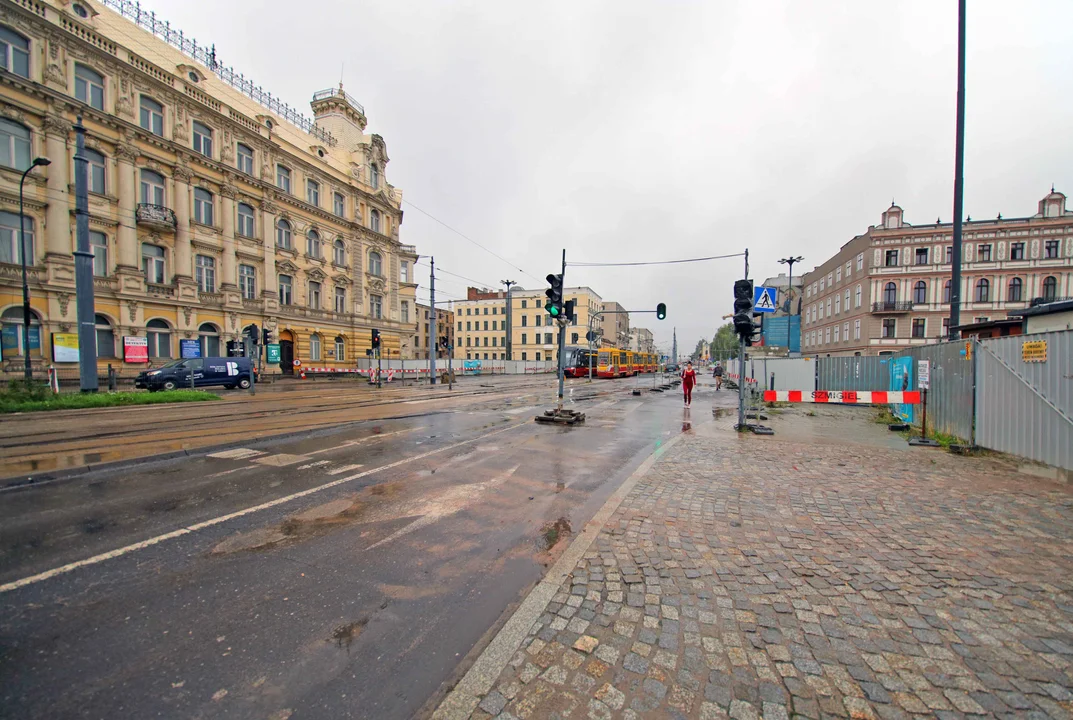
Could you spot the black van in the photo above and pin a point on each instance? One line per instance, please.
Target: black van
(227, 371)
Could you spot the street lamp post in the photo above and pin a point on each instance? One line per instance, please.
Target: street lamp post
(790, 287)
(25, 283)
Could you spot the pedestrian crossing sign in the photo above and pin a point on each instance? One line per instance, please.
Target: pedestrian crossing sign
(764, 299)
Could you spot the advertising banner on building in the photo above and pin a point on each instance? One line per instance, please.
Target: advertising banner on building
(272, 352)
(189, 349)
(135, 349)
(9, 340)
(65, 347)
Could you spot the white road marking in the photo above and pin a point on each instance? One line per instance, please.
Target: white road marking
(127, 549)
(316, 464)
(236, 454)
(519, 411)
(280, 460)
(359, 441)
(633, 407)
(228, 472)
(343, 469)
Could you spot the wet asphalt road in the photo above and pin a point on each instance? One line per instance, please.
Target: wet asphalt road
(345, 574)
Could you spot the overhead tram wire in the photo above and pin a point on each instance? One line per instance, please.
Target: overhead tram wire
(468, 279)
(656, 262)
(467, 237)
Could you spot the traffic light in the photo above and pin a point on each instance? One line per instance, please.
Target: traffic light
(376, 339)
(252, 334)
(756, 335)
(444, 341)
(554, 305)
(743, 305)
(568, 310)
(266, 336)
(661, 311)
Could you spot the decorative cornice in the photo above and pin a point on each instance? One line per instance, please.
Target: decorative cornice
(126, 153)
(56, 125)
(182, 174)
(228, 191)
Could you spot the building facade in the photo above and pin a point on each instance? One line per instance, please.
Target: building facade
(641, 340)
(616, 326)
(209, 211)
(889, 288)
(445, 327)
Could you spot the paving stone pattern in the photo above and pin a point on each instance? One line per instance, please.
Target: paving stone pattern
(753, 577)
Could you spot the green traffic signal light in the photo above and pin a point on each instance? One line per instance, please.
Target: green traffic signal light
(553, 310)
(661, 311)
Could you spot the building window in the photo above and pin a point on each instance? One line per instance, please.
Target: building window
(286, 290)
(838, 304)
(838, 274)
(523, 356)
(202, 206)
(247, 281)
(314, 295)
(828, 308)
(985, 253)
(856, 329)
(1014, 293)
(486, 341)
(820, 311)
(468, 326)
(313, 192)
(920, 292)
(404, 272)
(486, 325)
(849, 269)
(95, 171)
(14, 145)
(245, 220)
(89, 86)
(860, 261)
(314, 347)
(339, 252)
(538, 319)
(374, 176)
(202, 139)
(823, 284)
(525, 321)
(376, 265)
(10, 248)
(890, 294)
(1050, 249)
(206, 274)
(547, 339)
(340, 348)
(946, 292)
(153, 264)
(158, 335)
(983, 290)
(405, 309)
(209, 340)
(152, 186)
(892, 258)
(919, 326)
(339, 204)
(283, 178)
(151, 115)
(846, 303)
(244, 158)
(313, 246)
(921, 256)
(827, 336)
(14, 53)
(376, 306)
(836, 333)
(374, 220)
(340, 300)
(890, 328)
(857, 297)
(538, 357)
(1017, 251)
(525, 304)
(283, 234)
(1050, 288)
(495, 341)
(946, 327)
(949, 254)
(105, 336)
(98, 243)
(525, 339)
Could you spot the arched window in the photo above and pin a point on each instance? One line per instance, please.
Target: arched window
(857, 297)
(151, 115)
(376, 265)
(89, 86)
(203, 139)
(14, 52)
(1050, 288)
(283, 234)
(983, 290)
(245, 220)
(374, 220)
(1014, 294)
(203, 206)
(14, 145)
(313, 192)
(283, 178)
(209, 339)
(159, 336)
(152, 188)
(105, 336)
(890, 294)
(244, 158)
(374, 176)
(10, 249)
(14, 341)
(946, 292)
(920, 292)
(95, 171)
(340, 348)
(313, 248)
(339, 252)
(314, 347)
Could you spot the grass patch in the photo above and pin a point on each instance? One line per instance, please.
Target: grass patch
(20, 397)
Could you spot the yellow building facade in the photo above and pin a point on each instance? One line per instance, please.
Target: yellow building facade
(212, 205)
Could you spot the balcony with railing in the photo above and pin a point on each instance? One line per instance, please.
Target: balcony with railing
(155, 216)
(165, 291)
(896, 306)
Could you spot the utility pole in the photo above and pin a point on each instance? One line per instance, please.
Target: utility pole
(562, 338)
(433, 344)
(959, 180)
(87, 334)
(674, 346)
(741, 364)
(510, 325)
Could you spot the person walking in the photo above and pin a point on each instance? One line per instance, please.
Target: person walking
(718, 375)
(689, 379)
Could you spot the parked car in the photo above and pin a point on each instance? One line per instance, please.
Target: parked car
(230, 372)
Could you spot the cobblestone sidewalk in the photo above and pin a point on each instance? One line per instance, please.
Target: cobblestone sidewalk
(754, 577)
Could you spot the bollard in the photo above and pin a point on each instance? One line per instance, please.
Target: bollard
(112, 380)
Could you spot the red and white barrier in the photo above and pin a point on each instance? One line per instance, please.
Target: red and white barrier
(866, 397)
(748, 381)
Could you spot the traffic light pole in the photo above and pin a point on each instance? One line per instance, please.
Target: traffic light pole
(741, 365)
(433, 344)
(562, 339)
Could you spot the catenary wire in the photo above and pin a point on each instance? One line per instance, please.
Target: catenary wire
(656, 262)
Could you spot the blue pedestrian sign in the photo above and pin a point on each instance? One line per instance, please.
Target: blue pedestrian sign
(764, 299)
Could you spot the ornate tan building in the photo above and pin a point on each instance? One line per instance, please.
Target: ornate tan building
(213, 205)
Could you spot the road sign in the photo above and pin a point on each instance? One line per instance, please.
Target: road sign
(272, 352)
(923, 374)
(764, 299)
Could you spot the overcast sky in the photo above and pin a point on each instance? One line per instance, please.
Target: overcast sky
(628, 131)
